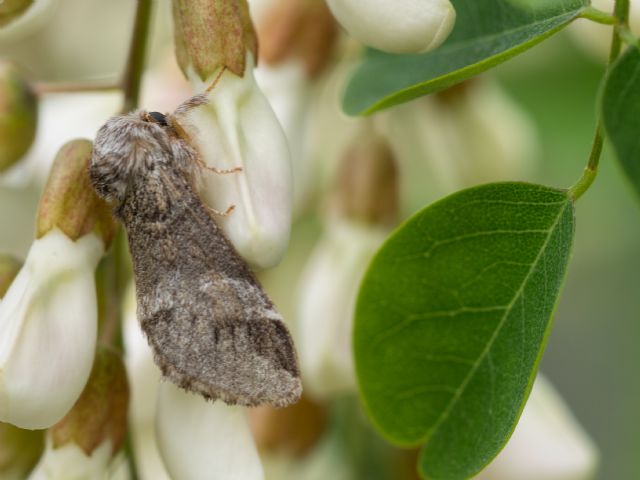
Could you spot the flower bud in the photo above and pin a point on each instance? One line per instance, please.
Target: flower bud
(363, 209)
(69, 201)
(199, 439)
(547, 443)
(329, 287)
(48, 321)
(472, 134)
(401, 26)
(18, 115)
(238, 128)
(9, 268)
(298, 29)
(12, 9)
(293, 430)
(19, 451)
(210, 34)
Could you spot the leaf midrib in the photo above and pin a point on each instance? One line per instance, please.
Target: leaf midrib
(461, 389)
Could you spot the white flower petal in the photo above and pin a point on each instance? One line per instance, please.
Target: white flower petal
(400, 26)
(199, 439)
(288, 89)
(48, 322)
(548, 443)
(239, 129)
(329, 286)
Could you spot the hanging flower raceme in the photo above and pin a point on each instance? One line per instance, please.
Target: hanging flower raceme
(361, 213)
(199, 439)
(548, 443)
(401, 26)
(237, 130)
(48, 317)
(86, 443)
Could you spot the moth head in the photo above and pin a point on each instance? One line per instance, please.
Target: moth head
(125, 147)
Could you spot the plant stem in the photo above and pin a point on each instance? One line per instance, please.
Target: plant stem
(74, 87)
(137, 53)
(621, 13)
(598, 16)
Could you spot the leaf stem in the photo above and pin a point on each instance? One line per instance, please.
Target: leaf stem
(137, 53)
(621, 13)
(599, 16)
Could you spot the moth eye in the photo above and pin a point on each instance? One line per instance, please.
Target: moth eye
(157, 117)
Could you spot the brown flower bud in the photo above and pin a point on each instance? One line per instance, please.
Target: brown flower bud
(367, 188)
(19, 450)
(69, 201)
(293, 430)
(100, 414)
(9, 268)
(12, 9)
(18, 114)
(210, 34)
(304, 29)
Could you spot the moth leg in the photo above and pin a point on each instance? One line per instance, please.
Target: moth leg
(219, 171)
(224, 214)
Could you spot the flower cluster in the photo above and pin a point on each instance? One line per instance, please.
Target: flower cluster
(76, 373)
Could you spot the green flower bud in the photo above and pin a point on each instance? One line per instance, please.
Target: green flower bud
(210, 34)
(18, 114)
(69, 201)
(19, 451)
(9, 268)
(12, 9)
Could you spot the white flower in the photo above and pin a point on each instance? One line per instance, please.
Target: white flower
(145, 377)
(48, 321)
(288, 90)
(199, 439)
(70, 462)
(548, 443)
(469, 135)
(329, 287)
(239, 129)
(400, 26)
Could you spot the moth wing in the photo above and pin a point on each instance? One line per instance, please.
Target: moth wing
(210, 325)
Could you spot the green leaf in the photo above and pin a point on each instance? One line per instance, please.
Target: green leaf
(621, 110)
(487, 32)
(452, 318)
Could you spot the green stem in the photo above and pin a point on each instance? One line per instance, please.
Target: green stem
(75, 87)
(621, 13)
(598, 16)
(137, 53)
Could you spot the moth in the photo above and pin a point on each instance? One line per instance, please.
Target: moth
(210, 325)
